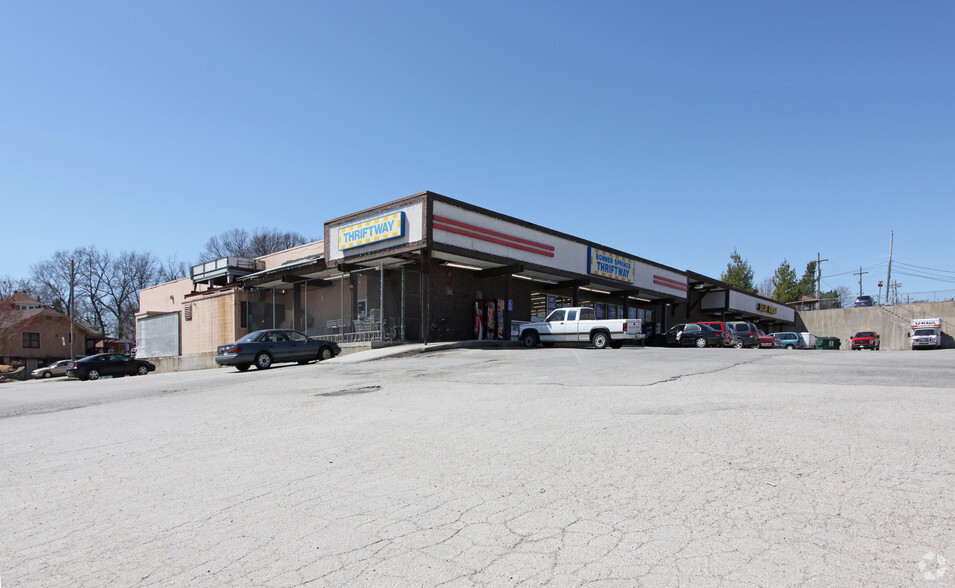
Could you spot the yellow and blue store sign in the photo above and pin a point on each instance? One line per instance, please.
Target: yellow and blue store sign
(610, 265)
(372, 231)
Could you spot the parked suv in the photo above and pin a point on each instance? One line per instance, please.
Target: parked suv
(728, 335)
(694, 334)
(746, 334)
(789, 340)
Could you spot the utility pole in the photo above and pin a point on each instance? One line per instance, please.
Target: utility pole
(860, 273)
(895, 292)
(72, 322)
(819, 279)
(888, 277)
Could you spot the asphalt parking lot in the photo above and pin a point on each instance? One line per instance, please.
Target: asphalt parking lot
(491, 467)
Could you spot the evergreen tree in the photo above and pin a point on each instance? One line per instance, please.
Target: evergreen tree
(807, 284)
(739, 274)
(785, 286)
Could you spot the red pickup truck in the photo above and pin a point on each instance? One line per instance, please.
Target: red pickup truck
(865, 340)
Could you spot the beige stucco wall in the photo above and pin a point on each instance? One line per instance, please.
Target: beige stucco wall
(163, 298)
(214, 313)
(892, 323)
(214, 319)
(302, 251)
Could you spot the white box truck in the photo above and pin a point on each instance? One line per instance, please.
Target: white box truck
(926, 333)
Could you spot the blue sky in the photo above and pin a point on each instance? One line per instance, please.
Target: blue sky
(675, 131)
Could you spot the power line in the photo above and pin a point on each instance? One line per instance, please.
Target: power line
(930, 269)
(949, 280)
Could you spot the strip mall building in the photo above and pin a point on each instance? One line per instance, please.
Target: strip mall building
(428, 268)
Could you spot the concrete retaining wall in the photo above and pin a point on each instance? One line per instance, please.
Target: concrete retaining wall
(892, 323)
(202, 361)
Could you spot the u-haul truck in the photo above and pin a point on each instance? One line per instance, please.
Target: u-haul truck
(926, 333)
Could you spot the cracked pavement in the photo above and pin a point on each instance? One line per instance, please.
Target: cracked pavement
(489, 467)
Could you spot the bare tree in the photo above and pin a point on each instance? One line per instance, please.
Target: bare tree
(93, 268)
(10, 318)
(169, 270)
(766, 287)
(54, 279)
(105, 287)
(240, 243)
(129, 273)
(9, 285)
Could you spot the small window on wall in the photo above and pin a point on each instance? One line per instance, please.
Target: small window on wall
(188, 312)
(31, 340)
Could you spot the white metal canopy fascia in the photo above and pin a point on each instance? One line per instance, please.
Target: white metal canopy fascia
(545, 278)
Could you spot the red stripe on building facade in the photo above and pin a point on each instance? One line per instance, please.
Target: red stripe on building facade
(484, 237)
(668, 282)
(460, 228)
(449, 221)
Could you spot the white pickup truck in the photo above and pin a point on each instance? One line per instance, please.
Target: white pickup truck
(579, 324)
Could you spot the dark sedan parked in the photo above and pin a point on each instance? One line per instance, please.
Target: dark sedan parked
(96, 366)
(694, 334)
(263, 348)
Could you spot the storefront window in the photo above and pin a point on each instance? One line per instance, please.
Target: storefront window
(357, 306)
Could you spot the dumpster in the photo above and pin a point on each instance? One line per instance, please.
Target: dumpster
(828, 343)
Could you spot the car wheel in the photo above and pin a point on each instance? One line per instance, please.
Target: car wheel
(263, 361)
(531, 339)
(142, 370)
(92, 375)
(325, 353)
(701, 342)
(47, 374)
(242, 366)
(600, 340)
(738, 344)
(790, 346)
(876, 347)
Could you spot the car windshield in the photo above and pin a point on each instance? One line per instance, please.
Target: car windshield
(250, 337)
(865, 334)
(924, 332)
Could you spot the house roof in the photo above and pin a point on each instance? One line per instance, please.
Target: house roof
(28, 315)
(24, 298)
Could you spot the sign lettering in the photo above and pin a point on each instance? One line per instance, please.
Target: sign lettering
(610, 265)
(378, 229)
